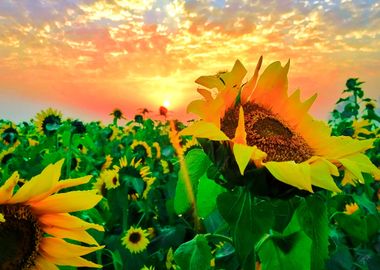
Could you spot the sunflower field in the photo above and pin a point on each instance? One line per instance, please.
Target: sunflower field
(255, 182)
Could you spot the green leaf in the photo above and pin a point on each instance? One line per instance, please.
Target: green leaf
(341, 259)
(248, 221)
(197, 163)
(208, 191)
(288, 251)
(360, 228)
(312, 216)
(194, 255)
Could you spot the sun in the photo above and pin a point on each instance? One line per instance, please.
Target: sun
(166, 103)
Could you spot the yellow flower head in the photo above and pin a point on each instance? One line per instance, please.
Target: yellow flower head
(147, 268)
(135, 240)
(2, 218)
(110, 178)
(39, 216)
(351, 208)
(47, 122)
(190, 144)
(9, 134)
(266, 127)
(138, 170)
(6, 155)
(141, 148)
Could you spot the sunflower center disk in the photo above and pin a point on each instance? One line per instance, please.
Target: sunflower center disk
(135, 237)
(268, 132)
(20, 236)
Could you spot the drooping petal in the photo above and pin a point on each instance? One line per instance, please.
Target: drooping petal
(198, 107)
(73, 261)
(353, 168)
(68, 221)
(39, 184)
(321, 177)
(242, 155)
(291, 173)
(365, 164)
(6, 190)
(61, 249)
(78, 235)
(202, 129)
(67, 202)
(43, 264)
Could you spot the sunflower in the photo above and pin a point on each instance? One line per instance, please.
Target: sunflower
(141, 149)
(48, 121)
(37, 221)
(190, 144)
(9, 134)
(110, 178)
(137, 170)
(264, 126)
(6, 155)
(135, 239)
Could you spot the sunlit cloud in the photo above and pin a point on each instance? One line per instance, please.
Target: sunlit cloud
(145, 52)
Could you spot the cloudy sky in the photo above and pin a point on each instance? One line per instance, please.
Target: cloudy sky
(87, 57)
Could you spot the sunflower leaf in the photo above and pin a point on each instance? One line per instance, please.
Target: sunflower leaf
(194, 254)
(208, 191)
(249, 220)
(197, 164)
(312, 216)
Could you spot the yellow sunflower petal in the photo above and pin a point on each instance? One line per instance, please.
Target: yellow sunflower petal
(205, 93)
(61, 249)
(272, 86)
(78, 235)
(321, 177)
(247, 89)
(39, 184)
(235, 76)
(198, 107)
(210, 82)
(353, 168)
(240, 133)
(365, 164)
(242, 155)
(73, 261)
(291, 173)
(6, 190)
(42, 264)
(346, 146)
(67, 202)
(72, 182)
(202, 129)
(68, 221)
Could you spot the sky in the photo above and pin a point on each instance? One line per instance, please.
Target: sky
(88, 57)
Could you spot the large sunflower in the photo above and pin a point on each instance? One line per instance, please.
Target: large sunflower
(266, 127)
(48, 121)
(37, 220)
